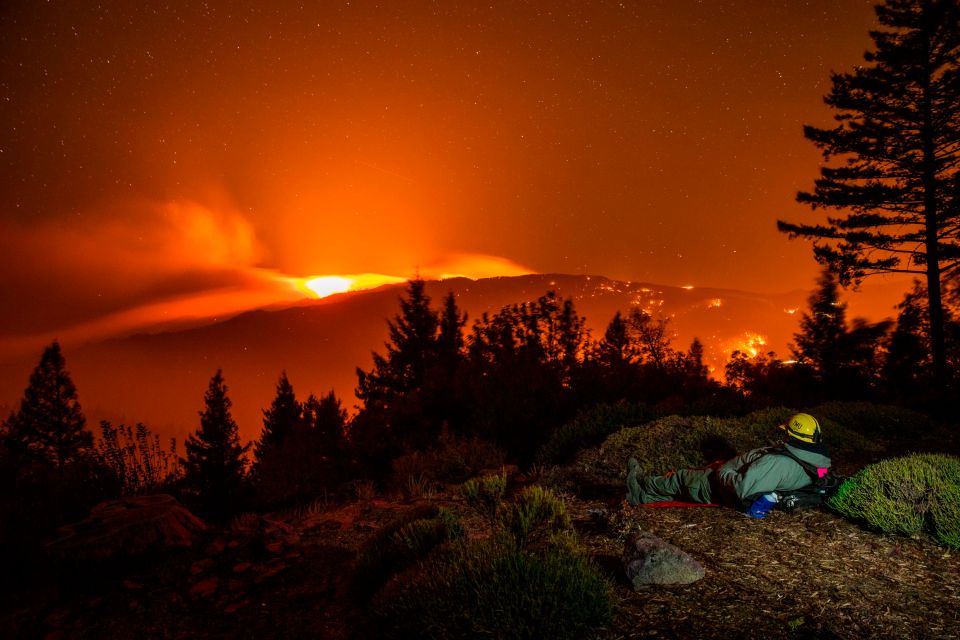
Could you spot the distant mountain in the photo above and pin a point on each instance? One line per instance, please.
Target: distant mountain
(160, 378)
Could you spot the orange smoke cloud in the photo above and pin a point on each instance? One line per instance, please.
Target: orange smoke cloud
(168, 262)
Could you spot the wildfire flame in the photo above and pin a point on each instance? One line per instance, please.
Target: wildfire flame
(323, 286)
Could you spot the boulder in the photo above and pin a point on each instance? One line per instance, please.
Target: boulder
(649, 560)
(128, 526)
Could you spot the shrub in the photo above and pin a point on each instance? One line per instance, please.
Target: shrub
(452, 460)
(401, 543)
(905, 496)
(589, 428)
(135, 460)
(536, 516)
(495, 589)
(485, 495)
(677, 442)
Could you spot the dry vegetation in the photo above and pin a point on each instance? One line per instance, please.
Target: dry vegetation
(809, 575)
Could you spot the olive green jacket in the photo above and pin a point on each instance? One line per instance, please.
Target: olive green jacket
(756, 472)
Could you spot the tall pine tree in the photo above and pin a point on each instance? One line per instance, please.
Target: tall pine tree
(214, 469)
(897, 152)
(280, 420)
(411, 351)
(49, 427)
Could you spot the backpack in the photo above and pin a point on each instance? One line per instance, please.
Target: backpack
(820, 489)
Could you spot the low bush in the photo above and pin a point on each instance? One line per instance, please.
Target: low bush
(485, 494)
(920, 492)
(400, 544)
(451, 460)
(497, 589)
(589, 428)
(677, 442)
(536, 516)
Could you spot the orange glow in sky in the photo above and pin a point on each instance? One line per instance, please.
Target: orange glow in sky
(643, 141)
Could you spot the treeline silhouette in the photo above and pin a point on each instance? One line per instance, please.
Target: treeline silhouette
(442, 396)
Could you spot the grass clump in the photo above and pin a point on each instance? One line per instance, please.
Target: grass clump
(485, 494)
(496, 589)
(530, 579)
(906, 495)
(402, 543)
(537, 515)
(589, 428)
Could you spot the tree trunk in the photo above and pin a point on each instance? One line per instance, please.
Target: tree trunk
(931, 224)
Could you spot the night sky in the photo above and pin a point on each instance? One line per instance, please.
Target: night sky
(163, 156)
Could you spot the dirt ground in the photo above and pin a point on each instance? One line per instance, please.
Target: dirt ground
(802, 575)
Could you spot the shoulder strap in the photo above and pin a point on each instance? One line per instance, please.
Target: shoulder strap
(809, 468)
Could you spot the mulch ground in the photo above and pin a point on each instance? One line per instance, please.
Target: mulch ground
(807, 574)
(803, 575)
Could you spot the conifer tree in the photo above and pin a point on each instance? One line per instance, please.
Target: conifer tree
(326, 420)
(50, 426)
(843, 357)
(450, 343)
(614, 349)
(411, 351)
(280, 420)
(823, 329)
(214, 468)
(898, 145)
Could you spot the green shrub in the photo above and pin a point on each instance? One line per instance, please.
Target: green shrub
(403, 542)
(495, 589)
(677, 442)
(536, 516)
(905, 496)
(485, 495)
(589, 428)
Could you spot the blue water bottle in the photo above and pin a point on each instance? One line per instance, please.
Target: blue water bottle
(762, 505)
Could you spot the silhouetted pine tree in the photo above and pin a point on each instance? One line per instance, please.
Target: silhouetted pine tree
(844, 360)
(327, 420)
(279, 421)
(411, 351)
(410, 394)
(310, 459)
(49, 427)
(898, 145)
(907, 370)
(823, 330)
(214, 469)
(450, 342)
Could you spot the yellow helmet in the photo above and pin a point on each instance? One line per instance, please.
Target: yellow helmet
(803, 427)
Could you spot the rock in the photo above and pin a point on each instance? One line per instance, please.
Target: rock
(649, 560)
(128, 526)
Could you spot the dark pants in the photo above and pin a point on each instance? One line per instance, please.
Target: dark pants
(685, 485)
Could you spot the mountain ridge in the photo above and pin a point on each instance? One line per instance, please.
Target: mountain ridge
(159, 377)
